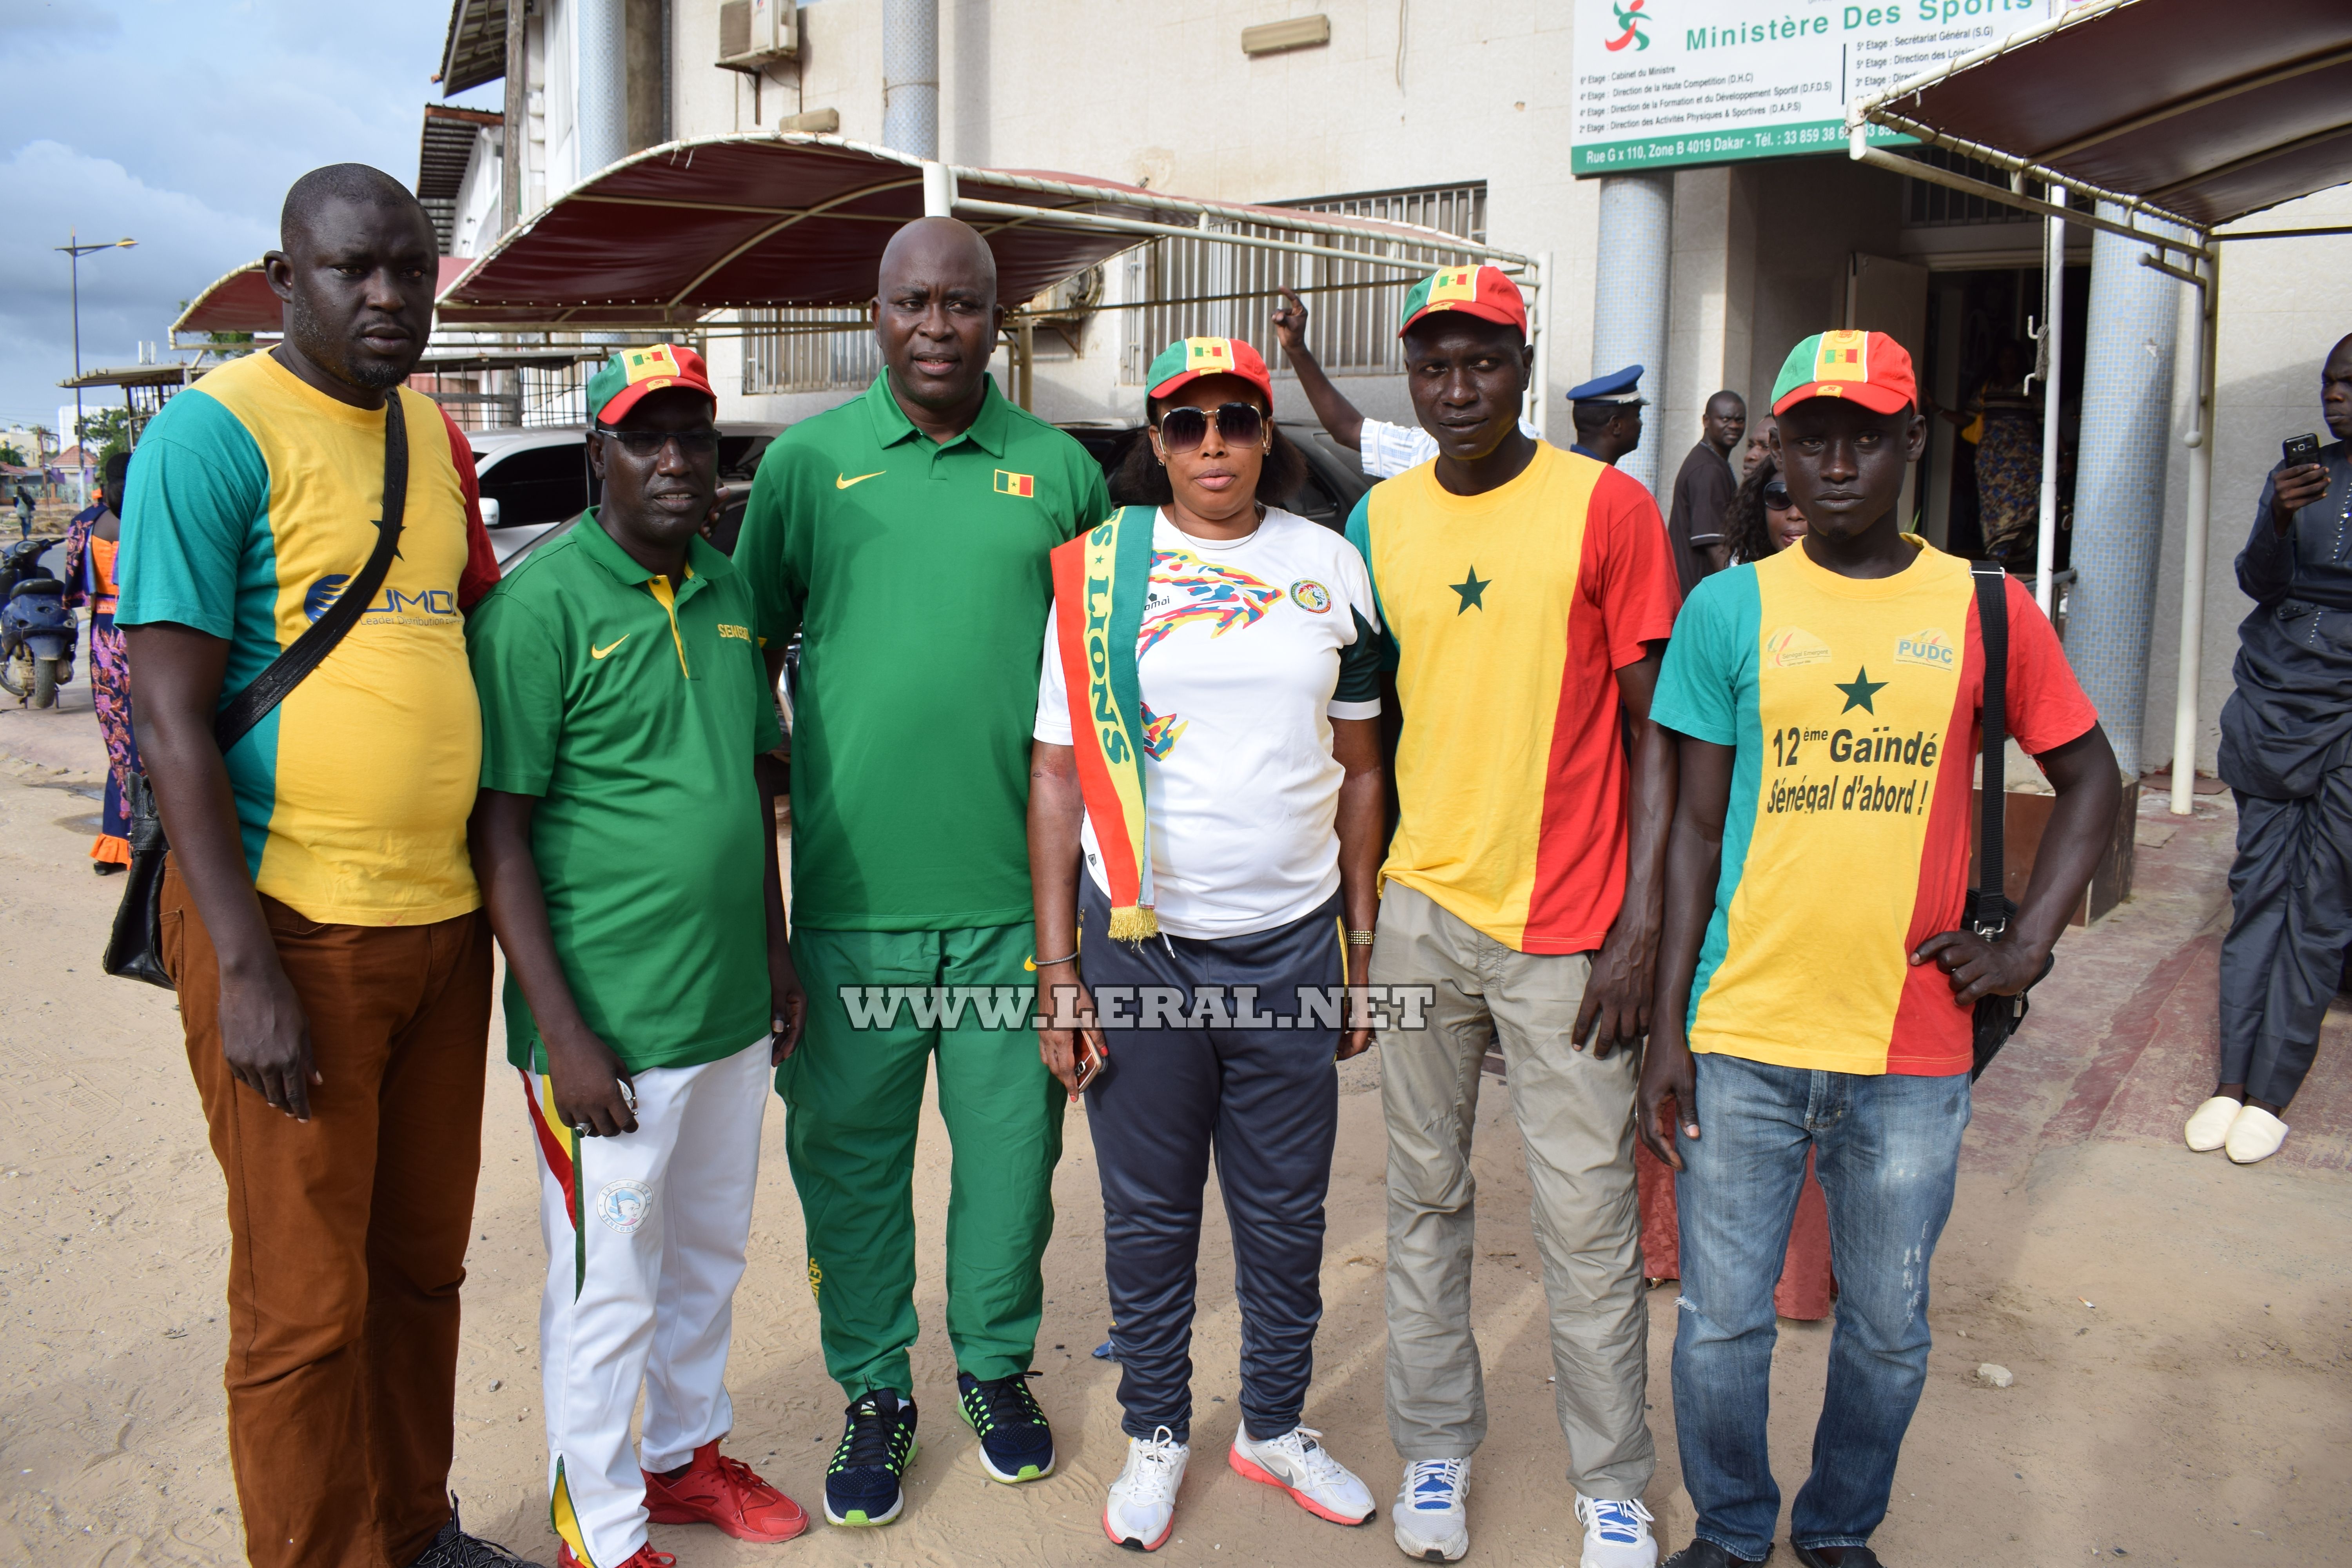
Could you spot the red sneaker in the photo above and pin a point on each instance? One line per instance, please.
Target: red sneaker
(643, 1557)
(715, 1490)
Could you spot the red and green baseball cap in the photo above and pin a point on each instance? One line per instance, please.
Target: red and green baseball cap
(1870, 368)
(629, 374)
(1190, 359)
(1485, 292)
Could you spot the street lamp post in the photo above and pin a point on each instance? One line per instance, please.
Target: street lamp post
(77, 250)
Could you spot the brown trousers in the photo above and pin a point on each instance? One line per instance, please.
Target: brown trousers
(347, 1233)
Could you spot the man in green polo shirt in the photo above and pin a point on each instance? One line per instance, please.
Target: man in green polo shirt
(621, 836)
(904, 535)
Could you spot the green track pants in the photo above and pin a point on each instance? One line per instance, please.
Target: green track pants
(853, 1093)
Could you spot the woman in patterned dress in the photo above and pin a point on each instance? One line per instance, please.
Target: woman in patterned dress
(90, 549)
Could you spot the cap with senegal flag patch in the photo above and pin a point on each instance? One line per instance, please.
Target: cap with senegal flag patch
(1190, 359)
(620, 381)
(1485, 292)
(1869, 368)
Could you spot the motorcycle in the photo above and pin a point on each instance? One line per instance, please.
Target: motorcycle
(36, 631)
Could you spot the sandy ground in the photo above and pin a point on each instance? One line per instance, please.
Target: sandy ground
(2178, 1327)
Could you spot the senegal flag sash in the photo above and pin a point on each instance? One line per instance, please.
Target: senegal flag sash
(1099, 581)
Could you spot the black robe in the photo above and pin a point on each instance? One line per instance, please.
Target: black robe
(2290, 720)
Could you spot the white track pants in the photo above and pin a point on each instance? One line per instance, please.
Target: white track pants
(644, 1235)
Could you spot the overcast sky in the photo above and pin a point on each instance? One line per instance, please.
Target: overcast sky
(180, 124)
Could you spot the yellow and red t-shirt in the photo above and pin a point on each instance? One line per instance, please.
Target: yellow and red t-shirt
(1852, 707)
(1511, 613)
(253, 501)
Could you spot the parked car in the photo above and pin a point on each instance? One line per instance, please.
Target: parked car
(1335, 477)
(535, 481)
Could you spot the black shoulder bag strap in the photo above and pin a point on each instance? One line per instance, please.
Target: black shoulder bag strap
(1990, 909)
(251, 706)
(134, 948)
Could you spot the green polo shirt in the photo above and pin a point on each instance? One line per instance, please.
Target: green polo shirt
(916, 574)
(636, 715)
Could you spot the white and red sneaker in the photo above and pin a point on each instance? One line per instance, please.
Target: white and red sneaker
(1297, 1463)
(1141, 1508)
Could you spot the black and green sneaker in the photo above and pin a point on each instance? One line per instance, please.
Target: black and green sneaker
(1015, 1444)
(878, 1444)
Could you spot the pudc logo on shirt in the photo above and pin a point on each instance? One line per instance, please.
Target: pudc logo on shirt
(1930, 646)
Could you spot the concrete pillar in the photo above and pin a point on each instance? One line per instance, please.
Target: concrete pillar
(2119, 481)
(1629, 299)
(910, 77)
(604, 107)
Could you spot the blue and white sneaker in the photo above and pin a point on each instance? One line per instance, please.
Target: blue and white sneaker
(1015, 1442)
(1432, 1511)
(1616, 1534)
(878, 1444)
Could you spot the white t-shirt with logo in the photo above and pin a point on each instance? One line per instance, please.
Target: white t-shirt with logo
(1247, 653)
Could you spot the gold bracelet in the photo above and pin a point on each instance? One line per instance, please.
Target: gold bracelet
(1359, 938)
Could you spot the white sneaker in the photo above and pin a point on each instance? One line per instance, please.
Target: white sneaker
(2209, 1124)
(2254, 1135)
(1141, 1508)
(1432, 1511)
(1616, 1534)
(1299, 1465)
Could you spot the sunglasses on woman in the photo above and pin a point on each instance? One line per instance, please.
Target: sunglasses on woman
(1184, 429)
(1776, 495)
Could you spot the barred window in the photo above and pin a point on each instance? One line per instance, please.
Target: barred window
(820, 349)
(1203, 288)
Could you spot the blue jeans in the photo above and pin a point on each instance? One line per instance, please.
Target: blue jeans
(1887, 1150)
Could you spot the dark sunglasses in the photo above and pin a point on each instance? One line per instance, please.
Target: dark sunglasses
(649, 443)
(1776, 495)
(1182, 429)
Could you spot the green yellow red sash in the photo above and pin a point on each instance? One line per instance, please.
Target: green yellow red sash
(1099, 581)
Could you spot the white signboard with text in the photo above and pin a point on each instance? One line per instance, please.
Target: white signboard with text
(1667, 82)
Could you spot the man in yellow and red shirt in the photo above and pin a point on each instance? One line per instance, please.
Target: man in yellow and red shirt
(1814, 994)
(1527, 592)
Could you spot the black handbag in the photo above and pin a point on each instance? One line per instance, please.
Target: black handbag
(134, 949)
(1989, 907)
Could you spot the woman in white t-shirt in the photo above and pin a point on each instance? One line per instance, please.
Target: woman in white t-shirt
(1246, 715)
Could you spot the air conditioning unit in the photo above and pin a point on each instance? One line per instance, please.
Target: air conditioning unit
(753, 32)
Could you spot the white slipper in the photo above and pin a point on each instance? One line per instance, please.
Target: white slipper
(2209, 1124)
(2254, 1135)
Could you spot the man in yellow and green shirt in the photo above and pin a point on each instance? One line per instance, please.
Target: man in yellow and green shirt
(1815, 993)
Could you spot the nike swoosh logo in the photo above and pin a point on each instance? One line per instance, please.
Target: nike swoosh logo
(595, 652)
(842, 481)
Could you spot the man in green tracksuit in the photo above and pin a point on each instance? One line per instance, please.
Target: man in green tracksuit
(904, 535)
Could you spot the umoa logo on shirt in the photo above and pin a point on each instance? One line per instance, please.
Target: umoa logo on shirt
(1789, 647)
(1929, 645)
(433, 602)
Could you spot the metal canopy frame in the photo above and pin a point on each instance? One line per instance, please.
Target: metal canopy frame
(1067, 204)
(2195, 243)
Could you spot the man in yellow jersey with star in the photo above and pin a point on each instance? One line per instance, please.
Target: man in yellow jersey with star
(1527, 592)
(1814, 994)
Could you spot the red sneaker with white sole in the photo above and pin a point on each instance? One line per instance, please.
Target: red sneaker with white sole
(715, 1490)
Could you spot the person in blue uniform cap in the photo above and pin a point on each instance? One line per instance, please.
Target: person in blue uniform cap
(1608, 414)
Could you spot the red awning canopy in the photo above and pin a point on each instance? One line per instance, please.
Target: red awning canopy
(241, 301)
(2207, 111)
(666, 236)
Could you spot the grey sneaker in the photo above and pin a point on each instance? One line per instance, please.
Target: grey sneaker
(453, 1548)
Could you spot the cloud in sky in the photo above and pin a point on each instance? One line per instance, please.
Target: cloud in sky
(181, 123)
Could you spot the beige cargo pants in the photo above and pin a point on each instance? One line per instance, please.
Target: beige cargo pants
(1576, 1119)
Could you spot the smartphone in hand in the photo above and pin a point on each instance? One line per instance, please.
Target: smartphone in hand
(2299, 451)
